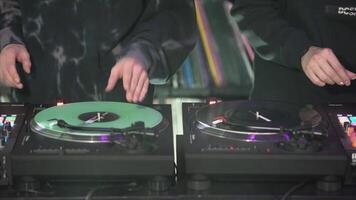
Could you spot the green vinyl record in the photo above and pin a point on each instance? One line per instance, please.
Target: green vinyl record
(111, 115)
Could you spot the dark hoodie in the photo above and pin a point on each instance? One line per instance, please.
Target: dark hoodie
(74, 43)
(281, 31)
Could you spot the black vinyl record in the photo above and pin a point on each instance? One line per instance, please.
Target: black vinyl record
(254, 120)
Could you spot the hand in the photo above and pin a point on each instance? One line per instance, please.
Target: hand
(322, 67)
(135, 78)
(8, 57)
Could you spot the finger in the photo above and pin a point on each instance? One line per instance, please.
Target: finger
(350, 74)
(11, 73)
(128, 96)
(329, 71)
(127, 74)
(136, 74)
(24, 58)
(318, 72)
(9, 81)
(27, 66)
(323, 76)
(141, 81)
(144, 90)
(313, 78)
(337, 66)
(115, 75)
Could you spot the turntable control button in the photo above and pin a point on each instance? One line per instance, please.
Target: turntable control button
(46, 151)
(76, 151)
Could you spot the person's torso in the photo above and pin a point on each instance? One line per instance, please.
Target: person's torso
(70, 44)
(328, 24)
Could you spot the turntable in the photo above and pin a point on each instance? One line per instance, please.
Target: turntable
(95, 139)
(260, 140)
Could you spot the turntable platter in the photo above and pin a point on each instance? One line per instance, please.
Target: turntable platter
(249, 114)
(252, 121)
(111, 115)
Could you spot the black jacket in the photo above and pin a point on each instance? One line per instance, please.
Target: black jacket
(281, 31)
(74, 44)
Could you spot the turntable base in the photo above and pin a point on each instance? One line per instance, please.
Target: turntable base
(228, 141)
(110, 148)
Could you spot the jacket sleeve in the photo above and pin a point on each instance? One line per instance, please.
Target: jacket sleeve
(272, 37)
(10, 23)
(163, 37)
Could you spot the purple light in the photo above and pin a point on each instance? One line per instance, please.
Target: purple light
(286, 136)
(252, 138)
(104, 138)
